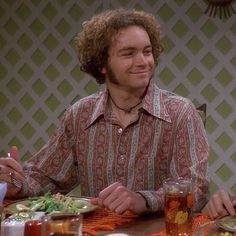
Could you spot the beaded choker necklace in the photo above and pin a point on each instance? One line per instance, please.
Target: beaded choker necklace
(127, 110)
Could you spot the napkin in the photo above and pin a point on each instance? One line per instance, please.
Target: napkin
(3, 190)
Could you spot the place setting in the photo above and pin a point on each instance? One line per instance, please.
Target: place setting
(51, 212)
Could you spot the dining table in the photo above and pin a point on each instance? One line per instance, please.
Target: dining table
(104, 222)
(145, 225)
(152, 224)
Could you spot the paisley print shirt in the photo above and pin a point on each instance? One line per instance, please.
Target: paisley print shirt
(167, 139)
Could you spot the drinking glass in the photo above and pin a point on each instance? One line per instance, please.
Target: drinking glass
(62, 225)
(178, 206)
(3, 190)
(1, 216)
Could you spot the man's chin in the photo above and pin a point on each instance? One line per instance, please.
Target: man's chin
(141, 85)
(144, 82)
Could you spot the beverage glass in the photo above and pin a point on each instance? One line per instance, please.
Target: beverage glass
(1, 216)
(62, 225)
(3, 190)
(178, 194)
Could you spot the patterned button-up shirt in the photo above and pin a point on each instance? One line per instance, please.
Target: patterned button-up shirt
(167, 139)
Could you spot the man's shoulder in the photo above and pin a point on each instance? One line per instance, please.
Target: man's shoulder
(175, 105)
(88, 101)
(170, 98)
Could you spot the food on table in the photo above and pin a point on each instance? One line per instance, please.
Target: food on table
(56, 203)
(227, 234)
(35, 208)
(49, 204)
(228, 223)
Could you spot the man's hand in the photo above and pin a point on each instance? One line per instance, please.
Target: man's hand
(220, 204)
(11, 172)
(118, 198)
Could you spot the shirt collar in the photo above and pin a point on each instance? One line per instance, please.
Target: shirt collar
(153, 103)
(100, 107)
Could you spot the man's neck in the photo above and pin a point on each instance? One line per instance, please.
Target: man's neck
(122, 96)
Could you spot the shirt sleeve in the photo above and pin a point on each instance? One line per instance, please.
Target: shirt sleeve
(189, 159)
(53, 168)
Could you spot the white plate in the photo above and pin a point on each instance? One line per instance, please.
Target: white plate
(88, 207)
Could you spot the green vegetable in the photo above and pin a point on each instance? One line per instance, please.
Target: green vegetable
(54, 203)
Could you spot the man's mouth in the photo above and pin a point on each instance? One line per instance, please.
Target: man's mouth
(140, 72)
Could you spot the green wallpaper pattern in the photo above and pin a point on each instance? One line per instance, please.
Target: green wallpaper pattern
(40, 77)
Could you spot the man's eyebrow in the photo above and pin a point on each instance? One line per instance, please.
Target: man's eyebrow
(132, 48)
(126, 49)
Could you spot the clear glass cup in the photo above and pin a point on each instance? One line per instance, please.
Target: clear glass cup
(3, 190)
(62, 224)
(178, 207)
(1, 216)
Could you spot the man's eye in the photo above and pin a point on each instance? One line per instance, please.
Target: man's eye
(148, 52)
(127, 54)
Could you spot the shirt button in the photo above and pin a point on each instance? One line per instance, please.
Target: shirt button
(122, 157)
(120, 130)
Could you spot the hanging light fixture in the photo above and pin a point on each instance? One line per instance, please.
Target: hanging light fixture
(222, 8)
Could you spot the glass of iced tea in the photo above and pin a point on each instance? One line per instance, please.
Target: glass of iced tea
(62, 225)
(178, 206)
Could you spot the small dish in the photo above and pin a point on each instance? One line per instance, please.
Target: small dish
(227, 223)
(208, 229)
(216, 227)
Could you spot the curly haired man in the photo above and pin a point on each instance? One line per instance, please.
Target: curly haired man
(120, 143)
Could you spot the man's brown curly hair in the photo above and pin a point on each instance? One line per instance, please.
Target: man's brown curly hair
(93, 42)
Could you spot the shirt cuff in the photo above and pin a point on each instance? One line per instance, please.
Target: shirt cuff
(151, 200)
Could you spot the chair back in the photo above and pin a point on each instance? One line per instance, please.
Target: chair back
(202, 112)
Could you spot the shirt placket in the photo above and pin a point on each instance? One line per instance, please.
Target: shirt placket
(121, 157)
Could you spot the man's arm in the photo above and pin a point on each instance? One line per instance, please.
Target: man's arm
(52, 169)
(118, 198)
(189, 158)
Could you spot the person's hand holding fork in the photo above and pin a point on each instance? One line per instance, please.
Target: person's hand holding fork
(221, 204)
(11, 172)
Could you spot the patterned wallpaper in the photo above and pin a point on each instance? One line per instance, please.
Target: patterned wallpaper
(40, 77)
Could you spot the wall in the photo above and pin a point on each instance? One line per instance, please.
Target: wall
(40, 77)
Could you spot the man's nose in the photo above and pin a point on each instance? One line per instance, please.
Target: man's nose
(141, 59)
